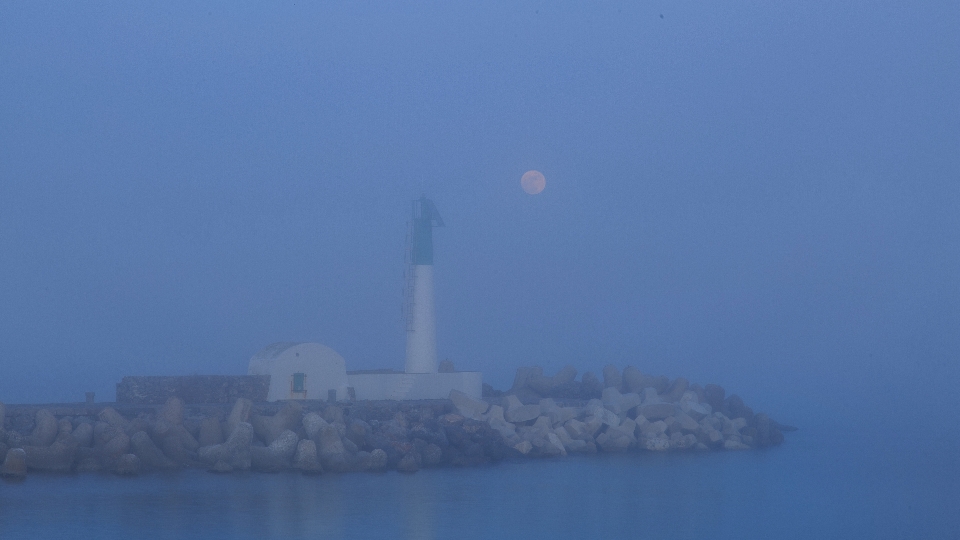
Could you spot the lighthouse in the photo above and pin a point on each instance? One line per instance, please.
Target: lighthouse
(313, 371)
(418, 291)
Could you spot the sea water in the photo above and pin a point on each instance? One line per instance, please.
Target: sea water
(822, 483)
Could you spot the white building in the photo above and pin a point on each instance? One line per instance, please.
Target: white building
(301, 371)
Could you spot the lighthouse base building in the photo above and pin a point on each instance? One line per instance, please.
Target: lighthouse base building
(315, 371)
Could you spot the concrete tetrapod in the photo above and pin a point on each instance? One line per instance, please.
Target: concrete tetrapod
(275, 457)
(232, 454)
(14, 465)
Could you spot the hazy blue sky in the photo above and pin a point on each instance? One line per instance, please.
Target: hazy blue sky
(761, 194)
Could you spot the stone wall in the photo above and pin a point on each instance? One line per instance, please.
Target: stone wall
(157, 390)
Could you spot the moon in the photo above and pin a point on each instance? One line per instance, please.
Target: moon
(533, 182)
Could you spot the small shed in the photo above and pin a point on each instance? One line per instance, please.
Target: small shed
(301, 371)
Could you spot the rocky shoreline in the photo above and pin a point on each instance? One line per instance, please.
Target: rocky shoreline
(539, 416)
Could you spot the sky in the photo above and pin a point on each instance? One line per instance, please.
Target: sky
(762, 195)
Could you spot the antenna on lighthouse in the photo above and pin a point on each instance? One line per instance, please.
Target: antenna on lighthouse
(418, 289)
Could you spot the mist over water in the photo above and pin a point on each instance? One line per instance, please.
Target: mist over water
(761, 196)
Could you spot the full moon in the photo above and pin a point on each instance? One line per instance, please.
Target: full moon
(533, 182)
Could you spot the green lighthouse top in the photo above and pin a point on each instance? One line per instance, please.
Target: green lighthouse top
(425, 218)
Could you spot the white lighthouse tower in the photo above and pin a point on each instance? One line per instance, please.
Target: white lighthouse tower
(419, 307)
(420, 378)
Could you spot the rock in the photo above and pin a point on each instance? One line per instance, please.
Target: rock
(432, 455)
(128, 465)
(734, 407)
(632, 379)
(524, 447)
(57, 457)
(150, 456)
(14, 465)
(268, 428)
(333, 455)
(714, 396)
(676, 390)
(210, 431)
(410, 463)
(687, 442)
(733, 444)
(467, 406)
(313, 423)
(650, 396)
(528, 396)
(523, 375)
(446, 366)
(590, 387)
(510, 402)
(496, 421)
(607, 417)
(333, 414)
(173, 447)
(767, 432)
(23, 422)
(577, 430)
(612, 377)
(169, 416)
(112, 417)
(46, 429)
(540, 383)
(611, 399)
(615, 439)
(83, 434)
(569, 390)
(238, 415)
(592, 425)
(357, 431)
(524, 413)
(566, 375)
(685, 423)
(3, 415)
(542, 424)
(350, 446)
(181, 433)
(142, 424)
(450, 419)
(64, 427)
(306, 460)
(88, 465)
(556, 414)
(690, 406)
(656, 444)
(552, 446)
(486, 390)
(652, 429)
(629, 401)
(110, 451)
(277, 455)
(221, 467)
(235, 451)
(656, 411)
(711, 437)
(378, 460)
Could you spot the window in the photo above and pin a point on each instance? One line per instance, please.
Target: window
(299, 382)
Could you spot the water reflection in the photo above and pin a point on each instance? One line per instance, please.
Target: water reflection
(798, 491)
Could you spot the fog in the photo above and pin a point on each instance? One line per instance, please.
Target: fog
(761, 195)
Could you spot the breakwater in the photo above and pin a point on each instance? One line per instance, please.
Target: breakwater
(540, 416)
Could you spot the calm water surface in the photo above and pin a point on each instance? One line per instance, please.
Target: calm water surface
(815, 486)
